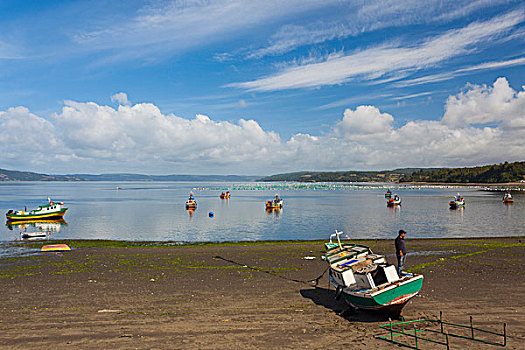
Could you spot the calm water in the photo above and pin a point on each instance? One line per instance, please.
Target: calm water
(155, 211)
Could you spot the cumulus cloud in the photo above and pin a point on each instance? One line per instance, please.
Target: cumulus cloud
(482, 104)
(483, 124)
(121, 98)
(142, 133)
(28, 138)
(364, 122)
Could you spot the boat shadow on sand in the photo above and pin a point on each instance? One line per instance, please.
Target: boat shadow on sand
(326, 297)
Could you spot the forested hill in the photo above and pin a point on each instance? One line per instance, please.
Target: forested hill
(13, 175)
(344, 176)
(497, 173)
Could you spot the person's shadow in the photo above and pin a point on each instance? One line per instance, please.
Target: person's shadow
(326, 297)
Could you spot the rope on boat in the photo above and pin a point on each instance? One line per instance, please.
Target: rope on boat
(273, 273)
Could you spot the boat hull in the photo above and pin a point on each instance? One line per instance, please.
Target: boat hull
(34, 217)
(391, 300)
(455, 205)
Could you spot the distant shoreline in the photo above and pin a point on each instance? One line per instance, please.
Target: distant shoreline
(488, 184)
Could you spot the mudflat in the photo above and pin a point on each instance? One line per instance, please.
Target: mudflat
(110, 295)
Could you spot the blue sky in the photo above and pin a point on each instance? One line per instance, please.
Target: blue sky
(260, 87)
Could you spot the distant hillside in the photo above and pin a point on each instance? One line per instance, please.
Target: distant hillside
(140, 177)
(344, 176)
(13, 175)
(497, 173)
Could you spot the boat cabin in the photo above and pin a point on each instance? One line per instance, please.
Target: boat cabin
(354, 265)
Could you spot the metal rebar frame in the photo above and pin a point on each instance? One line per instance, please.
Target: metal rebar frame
(393, 332)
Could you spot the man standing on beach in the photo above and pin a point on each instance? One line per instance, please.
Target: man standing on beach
(401, 251)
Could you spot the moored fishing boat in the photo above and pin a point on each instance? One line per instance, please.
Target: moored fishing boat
(457, 202)
(365, 280)
(507, 198)
(191, 203)
(277, 203)
(32, 235)
(50, 211)
(393, 201)
(225, 195)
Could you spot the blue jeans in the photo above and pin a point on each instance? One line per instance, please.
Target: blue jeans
(400, 263)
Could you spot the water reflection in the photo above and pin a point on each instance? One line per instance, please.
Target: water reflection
(459, 211)
(36, 230)
(394, 208)
(273, 212)
(50, 226)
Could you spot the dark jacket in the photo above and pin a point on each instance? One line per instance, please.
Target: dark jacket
(400, 246)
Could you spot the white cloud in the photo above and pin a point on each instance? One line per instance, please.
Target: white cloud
(374, 63)
(483, 124)
(495, 64)
(363, 123)
(141, 132)
(175, 26)
(354, 18)
(28, 139)
(482, 105)
(407, 97)
(450, 75)
(121, 98)
(290, 37)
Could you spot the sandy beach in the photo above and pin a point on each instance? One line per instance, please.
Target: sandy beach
(117, 295)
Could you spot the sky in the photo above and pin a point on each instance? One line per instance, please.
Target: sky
(260, 87)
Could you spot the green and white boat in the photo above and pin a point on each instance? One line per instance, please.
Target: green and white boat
(50, 211)
(365, 280)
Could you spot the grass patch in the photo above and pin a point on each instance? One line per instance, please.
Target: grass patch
(492, 246)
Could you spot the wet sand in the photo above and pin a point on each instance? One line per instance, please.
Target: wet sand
(104, 295)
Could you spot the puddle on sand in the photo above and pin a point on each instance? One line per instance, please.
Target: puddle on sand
(10, 250)
(432, 252)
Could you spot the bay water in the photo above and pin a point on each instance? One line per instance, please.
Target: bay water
(155, 211)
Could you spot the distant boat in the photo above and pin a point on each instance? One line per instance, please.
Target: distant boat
(457, 202)
(366, 281)
(225, 195)
(26, 235)
(277, 203)
(52, 210)
(393, 201)
(388, 194)
(191, 203)
(507, 198)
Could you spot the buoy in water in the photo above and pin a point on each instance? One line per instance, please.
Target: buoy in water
(211, 214)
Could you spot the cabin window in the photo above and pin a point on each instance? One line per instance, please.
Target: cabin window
(379, 276)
